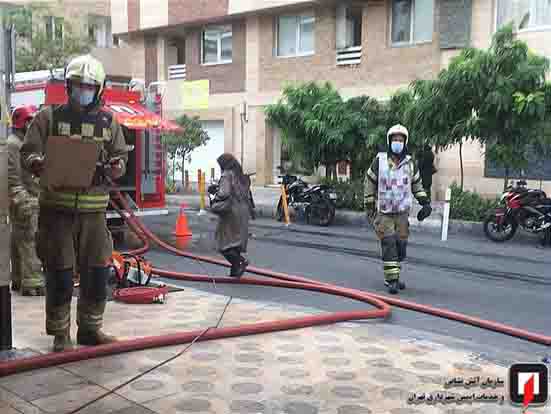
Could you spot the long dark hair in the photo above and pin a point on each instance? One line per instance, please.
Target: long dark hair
(241, 182)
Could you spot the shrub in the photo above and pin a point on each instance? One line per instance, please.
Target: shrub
(350, 194)
(469, 206)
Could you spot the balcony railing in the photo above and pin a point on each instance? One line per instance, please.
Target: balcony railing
(349, 56)
(177, 72)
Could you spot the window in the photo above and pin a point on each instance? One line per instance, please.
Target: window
(525, 14)
(54, 27)
(349, 26)
(92, 30)
(58, 24)
(295, 35)
(412, 21)
(538, 168)
(217, 45)
(49, 27)
(99, 31)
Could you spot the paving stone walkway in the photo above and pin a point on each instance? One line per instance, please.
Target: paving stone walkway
(347, 368)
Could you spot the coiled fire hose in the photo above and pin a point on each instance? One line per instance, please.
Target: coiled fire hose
(380, 302)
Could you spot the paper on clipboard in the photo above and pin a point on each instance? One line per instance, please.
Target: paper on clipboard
(69, 163)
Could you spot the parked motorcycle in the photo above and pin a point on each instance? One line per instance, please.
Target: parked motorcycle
(317, 204)
(522, 207)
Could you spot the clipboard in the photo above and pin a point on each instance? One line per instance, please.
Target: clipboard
(69, 163)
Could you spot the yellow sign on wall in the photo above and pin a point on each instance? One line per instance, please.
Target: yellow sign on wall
(195, 94)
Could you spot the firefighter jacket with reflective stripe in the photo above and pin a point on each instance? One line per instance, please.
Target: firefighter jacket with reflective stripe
(393, 184)
(96, 125)
(21, 183)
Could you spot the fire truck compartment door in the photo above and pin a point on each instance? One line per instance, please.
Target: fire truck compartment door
(151, 167)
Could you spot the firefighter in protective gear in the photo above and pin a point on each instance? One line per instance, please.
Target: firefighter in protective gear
(72, 225)
(23, 188)
(390, 185)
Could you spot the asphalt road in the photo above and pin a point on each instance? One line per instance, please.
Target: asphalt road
(508, 283)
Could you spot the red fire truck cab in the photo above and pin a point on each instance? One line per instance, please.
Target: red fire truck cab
(144, 182)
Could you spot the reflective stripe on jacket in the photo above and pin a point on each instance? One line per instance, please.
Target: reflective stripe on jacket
(74, 201)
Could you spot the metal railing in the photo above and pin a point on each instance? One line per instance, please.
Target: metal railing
(177, 72)
(349, 56)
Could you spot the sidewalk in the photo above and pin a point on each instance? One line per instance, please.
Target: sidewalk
(347, 368)
(266, 199)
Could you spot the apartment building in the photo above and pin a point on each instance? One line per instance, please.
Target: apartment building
(249, 50)
(90, 19)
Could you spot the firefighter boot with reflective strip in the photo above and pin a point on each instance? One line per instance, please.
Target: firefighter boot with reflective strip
(63, 342)
(391, 264)
(90, 322)
(59, 291)
(91, 306)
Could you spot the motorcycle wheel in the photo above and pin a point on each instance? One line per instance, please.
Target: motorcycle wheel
(321, 213)
(495, 233)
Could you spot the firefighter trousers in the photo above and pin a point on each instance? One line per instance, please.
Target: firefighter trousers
(393, 232)
(67, 241)
(26, 270)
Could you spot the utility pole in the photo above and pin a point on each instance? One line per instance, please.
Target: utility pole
(7, 64)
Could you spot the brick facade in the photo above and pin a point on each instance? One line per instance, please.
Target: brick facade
(133, 10)
(257, 77)
(151, 60)
(183, 11)
(381, 63)
(224, 78)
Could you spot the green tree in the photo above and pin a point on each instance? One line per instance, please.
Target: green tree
(511, 113)
(366, 134)
(494, 96)
(179, 145)
(313, 123)
(36, 49)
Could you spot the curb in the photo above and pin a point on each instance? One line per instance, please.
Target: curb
(354, 218)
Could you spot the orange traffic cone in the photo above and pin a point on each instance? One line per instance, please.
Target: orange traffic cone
(182, 227)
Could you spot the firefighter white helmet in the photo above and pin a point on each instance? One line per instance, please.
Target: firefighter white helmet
(397, 130)
(86, 69)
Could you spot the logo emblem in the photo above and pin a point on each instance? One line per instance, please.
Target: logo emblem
(528, 384)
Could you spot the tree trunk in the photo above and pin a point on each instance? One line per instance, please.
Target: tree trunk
(183, 173)
(353, 173)
(331, 171)
(173, 170)
(461, 164)
(506, 178)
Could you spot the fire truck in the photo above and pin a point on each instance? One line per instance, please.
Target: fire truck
(144, 182)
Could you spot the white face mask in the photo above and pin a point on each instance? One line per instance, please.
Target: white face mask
(83, 96)
(397, 147)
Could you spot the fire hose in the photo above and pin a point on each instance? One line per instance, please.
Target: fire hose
(380, 302)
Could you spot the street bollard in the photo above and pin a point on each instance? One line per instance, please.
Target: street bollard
(285, 206)
(199, 176)
(201, 193)
(446, 218)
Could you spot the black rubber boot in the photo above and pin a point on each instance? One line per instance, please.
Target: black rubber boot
(393, 286)
(233, 256)
(62, 342)
(244, 263)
